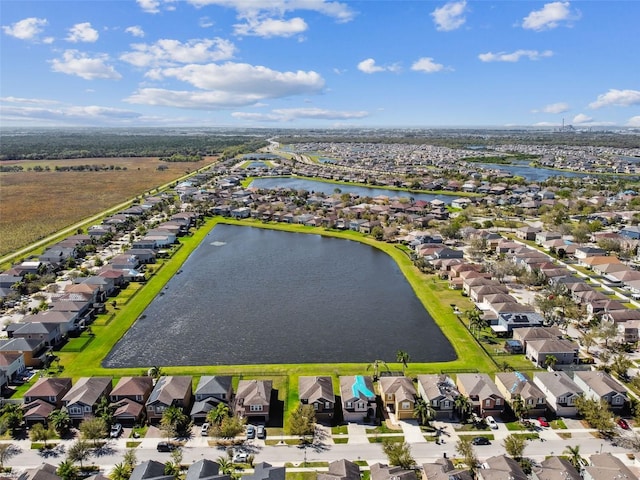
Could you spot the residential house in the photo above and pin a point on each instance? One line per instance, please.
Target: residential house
(44, 397)
(205, 469)
(169, 391)
(527, 233)
(253, 399)
(358, 398)
(318, 391)
(443, 469)
(398, 395)
(516, 384)
(11, 365)
(558, 351)
(45, 471)
(150, 470)
(555, 468)
(66, 321)
(526, 334)
(47, 333)
(483, 393)
(82, 399)
(33, 350)
(500, 467)
(560, 391)
(210, 392)
(129, 397)
(266, 471)
(598, 385)
(440, 392)
(604, 466)
(380, 471)
(341, 470)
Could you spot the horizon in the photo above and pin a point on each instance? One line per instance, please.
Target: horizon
(293, 64)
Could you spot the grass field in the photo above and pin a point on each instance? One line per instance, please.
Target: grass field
(34, 205)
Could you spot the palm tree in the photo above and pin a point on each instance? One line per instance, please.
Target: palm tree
(423, 411)
(104, 410)
(550, 361)
(464, 406)
(226, 465)
(519, 406)
(574, 456)
(120, 471)
(375, 365)
(67, 470)
(403, 357)
(60, 421)
(155, 372)
(476, 322)
(216, 415)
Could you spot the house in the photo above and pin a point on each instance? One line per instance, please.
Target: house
(443, 469)
(253, 399)
(266, 471)
(398, 396)
(555, 468)
(46, 471)
(44, 397)
(516, 384)
(47, 333)
(560, 392)
(318, 391)
(32, 350)
(527, 233)
(358, 398)
(11, 365)
(211, 391)
(81, 400)
(483, 393)
(598, 385)
(169, 391)
(563, 352)
(340, 470)
(380, 471)
(205, 470)
(128, 398)
(604, 466)
(500, 467)
(440, 392)
(150, 470)
(527, 334)
(66, 321)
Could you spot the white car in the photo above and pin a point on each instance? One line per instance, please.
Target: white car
(204, 431)
(240, 457)
(491, 422)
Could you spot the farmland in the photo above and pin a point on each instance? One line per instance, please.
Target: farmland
(38, 203)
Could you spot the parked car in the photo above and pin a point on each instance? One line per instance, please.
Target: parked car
(240, 457)
(204, 431)
(116, 430)
(261, 432)
(251, 432)
(491, 422)
(543, 422)
(480, 441)
(622, 423)
(166, 447)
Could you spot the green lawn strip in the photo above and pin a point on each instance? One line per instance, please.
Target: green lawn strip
(386, 438)
(288, 441)
(307, 465)
(301, 475)
(382, 429)
(77, 344)
(558, 424)
(339, 430)
(338, 441)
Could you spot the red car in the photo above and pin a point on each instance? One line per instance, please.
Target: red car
(622, 423)
(543, 422)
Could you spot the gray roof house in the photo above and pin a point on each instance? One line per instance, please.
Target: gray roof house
(564, 351)
(483, 393)
(358, 398)
(83, 397)
(500, 467)
(443, 469)
(605, 466)
(211, 391)
(555, 468)
(318, 391)
(560, 391)
(340, 470)
(599, 385)
(513, 384)
(266, 471)
(380, 471)
(46, 471)
(440, 392)
(168, 391)
(205, 470)
(150, 470)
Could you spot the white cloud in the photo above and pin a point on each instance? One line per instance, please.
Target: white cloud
(205, 22)
(227, 85)
(559, 107)
(77, 63)
(450, 16)
(135, 30)
(619, 98)
(26, 29)
(427, 65)
(290, 114)
(634, 121)
(149, 6)
(546, 124)
(82, 32)
(70, 115)
(550, 16)
(581, 118)
(168, 52)
(369, 66)
(271, 27)
(514, 56)
(31, 101)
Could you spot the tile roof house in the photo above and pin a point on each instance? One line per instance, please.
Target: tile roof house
(150, 470)
(211, 391)
(483, 393)
(500, 467)
(605, 466)
(44, 397)
(253, 399)
(128, 398)
(513, 384)
(560, 391)
(11, 364)
(599, 385)
(380, 471)
(555, 468)
(440, 392)
(340, 470)
(46, 471)
(169, 391)
(205, 470)
(398, 395)
(83, 397)
(443, 469)
(564, 351)
(358, 398)
(318, 391)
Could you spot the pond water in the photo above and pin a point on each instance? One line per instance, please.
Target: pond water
(521, 168)
(255, 296)
(329, 188)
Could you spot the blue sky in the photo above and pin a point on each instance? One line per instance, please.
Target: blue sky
(319, 63)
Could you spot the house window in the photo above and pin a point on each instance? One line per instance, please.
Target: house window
(75, 411)
(139, 398)
(530, 401)
(434, 403)
(349, 405)
(316, 406)
(390, 396)
(327, 404)
(405, 405)
(446, 404)
(52, 399)
(498, 401)
(487, 402)
(617, 399)
(160, 408)
(223, 396)
(87, 408)
(255, 408)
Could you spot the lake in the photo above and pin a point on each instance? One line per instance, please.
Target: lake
(521, 168)
(328, 188)
(255, 296)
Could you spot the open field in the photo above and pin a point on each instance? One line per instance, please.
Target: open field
(36, 204)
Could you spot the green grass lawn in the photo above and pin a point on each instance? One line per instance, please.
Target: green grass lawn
(340, 429)
(389, 438)
(338, 441)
